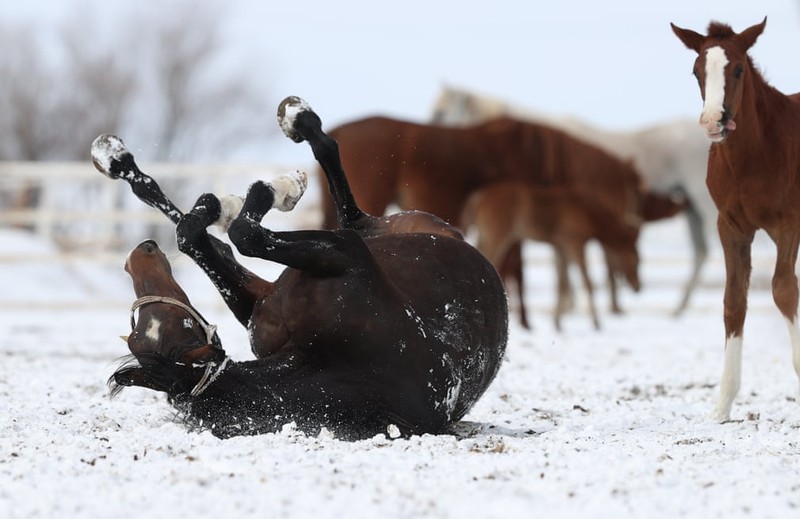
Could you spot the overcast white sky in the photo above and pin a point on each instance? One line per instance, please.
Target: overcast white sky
(615, 63)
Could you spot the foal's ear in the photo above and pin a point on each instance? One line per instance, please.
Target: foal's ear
(749, 36)
(691, 39)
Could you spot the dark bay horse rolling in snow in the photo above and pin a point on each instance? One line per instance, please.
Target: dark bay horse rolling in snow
(753, 177)
(385, 324)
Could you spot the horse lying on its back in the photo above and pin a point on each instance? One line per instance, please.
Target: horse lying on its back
(365, 331)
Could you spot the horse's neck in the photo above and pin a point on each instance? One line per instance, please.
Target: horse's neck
(764, 122)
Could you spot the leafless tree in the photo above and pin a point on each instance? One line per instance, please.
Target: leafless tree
(160, 76)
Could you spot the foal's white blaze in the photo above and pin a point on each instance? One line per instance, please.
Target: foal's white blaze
(153, 330)
(731, 378)
(794, 335)
(713, 108)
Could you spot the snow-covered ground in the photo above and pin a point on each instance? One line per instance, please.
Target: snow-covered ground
(577, 424)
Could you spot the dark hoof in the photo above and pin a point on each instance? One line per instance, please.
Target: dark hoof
(105, 149)
(288, 111)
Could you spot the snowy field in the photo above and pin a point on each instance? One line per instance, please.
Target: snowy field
(578, 424)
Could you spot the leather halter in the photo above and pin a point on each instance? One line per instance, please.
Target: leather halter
(213, 369)
(210, 329)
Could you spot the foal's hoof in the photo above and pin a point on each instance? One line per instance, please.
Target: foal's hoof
(288, 189)
(106, 148)
(288, 111)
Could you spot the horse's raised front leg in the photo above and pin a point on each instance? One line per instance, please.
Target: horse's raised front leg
(785, 290)
(239, 287)
(736, 247)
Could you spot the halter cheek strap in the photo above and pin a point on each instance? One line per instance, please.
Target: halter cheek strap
(213, 369)
(208, 328)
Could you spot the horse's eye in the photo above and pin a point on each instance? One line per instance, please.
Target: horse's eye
(738, 71)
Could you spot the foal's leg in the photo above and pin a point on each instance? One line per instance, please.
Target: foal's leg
(579, 255)
(239, 287)
(736, 247)
(785, 290)
(563, 289)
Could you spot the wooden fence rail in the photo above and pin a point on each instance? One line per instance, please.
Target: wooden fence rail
(84, 213)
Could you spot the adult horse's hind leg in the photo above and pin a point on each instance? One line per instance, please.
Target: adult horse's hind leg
(700, 245)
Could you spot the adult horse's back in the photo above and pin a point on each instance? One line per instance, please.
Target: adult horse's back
(753, 177)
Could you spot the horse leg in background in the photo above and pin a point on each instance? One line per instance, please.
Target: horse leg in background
(785, 290)
(561, 264)
(612, 285)
(512, 270)
(239, 287)
(700, 246)
(736, 246)
(577, 252)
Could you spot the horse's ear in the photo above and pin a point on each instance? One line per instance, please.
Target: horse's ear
(749, 36)
(691, 39)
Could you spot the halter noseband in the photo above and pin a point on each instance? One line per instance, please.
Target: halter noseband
(213, 369)
(210, 329)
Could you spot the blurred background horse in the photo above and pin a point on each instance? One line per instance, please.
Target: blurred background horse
(671, 157)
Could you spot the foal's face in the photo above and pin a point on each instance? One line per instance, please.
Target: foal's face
(721, 69)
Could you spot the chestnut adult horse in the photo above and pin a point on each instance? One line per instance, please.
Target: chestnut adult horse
(753, 177)
(435, 169)
(384, 325)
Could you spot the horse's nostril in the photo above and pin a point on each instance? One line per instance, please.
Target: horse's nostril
(148, 246)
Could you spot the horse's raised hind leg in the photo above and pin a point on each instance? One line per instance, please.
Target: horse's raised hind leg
(736, 248)
(299, 122)
(785, 292)
(325, 253)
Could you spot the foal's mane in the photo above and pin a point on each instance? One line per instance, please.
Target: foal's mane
(719, 30)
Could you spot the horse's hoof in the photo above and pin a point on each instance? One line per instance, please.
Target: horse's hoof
(287, 113)
(106, 148)
(288, 189)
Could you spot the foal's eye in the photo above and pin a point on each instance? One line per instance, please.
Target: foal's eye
(738, 71)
